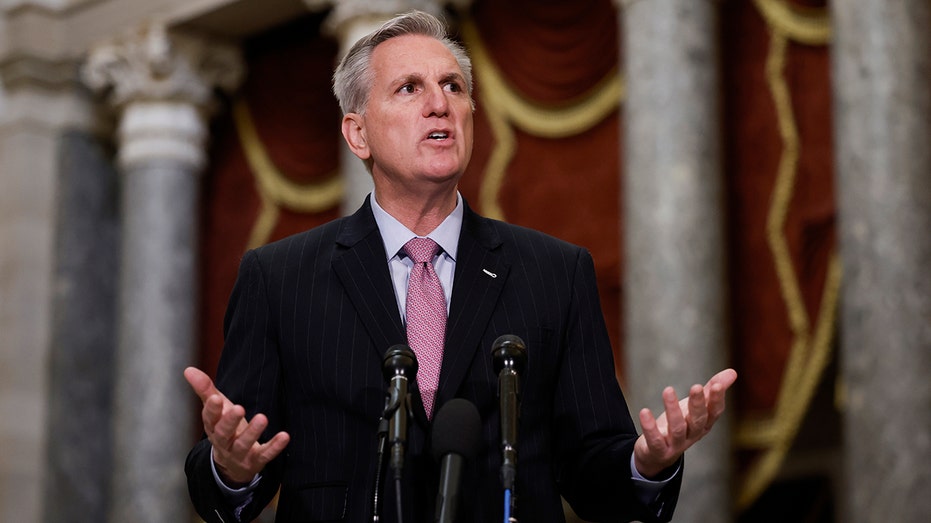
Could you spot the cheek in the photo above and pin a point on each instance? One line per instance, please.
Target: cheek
(467, 132)
(384, 138)
(467, 119)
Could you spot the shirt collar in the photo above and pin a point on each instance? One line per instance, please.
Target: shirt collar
(395, 235)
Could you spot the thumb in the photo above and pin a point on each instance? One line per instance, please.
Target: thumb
(725, 379)
(201, 383)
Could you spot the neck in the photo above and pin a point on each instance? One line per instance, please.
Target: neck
(419, 213)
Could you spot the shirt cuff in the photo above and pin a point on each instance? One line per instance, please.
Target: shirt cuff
(648, 490)
(238, 498)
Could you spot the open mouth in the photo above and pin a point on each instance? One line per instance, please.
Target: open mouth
(438, 135)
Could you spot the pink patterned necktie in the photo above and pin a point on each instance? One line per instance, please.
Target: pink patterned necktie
(426, 317)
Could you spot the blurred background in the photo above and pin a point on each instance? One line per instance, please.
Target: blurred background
(752, 177)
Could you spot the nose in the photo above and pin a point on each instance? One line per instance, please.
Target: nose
(436, 102)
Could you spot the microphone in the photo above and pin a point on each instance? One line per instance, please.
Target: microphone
(456, 438)
(510, 357)
(399, 366)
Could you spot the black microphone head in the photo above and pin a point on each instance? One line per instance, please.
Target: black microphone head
(457, 429)
(509, 351)
(399, 361)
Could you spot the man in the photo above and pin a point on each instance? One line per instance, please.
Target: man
(311, 317)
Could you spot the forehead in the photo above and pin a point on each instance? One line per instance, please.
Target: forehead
(412, 54)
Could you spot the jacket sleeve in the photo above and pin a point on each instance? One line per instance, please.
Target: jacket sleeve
(248, 375)
(592, 422)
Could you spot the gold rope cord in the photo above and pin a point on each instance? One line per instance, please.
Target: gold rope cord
(805, 25)
(505, 107)
(275, 190)
(811, 350)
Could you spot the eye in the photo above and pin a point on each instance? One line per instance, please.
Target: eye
(453, 87)
(407, 88)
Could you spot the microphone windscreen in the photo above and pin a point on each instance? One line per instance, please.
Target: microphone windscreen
(457, 429)
(399, 360)
(509, 350)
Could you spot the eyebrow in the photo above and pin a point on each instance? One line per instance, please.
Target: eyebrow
(417, 77)
(453, 77)
(407, 78)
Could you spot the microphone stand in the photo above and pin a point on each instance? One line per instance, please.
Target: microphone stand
(510, 357)
(380, 463)
(399, 363)
(397, 401)
(509, 507)
(508, 379)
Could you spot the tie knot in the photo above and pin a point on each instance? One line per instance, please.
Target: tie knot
(421, 250)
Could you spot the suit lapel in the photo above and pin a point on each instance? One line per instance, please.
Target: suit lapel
(481, 273)
(362, 269)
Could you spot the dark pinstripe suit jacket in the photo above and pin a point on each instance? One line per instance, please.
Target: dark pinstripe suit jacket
(308, 324)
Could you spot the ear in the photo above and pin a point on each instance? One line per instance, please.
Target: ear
(354, 134)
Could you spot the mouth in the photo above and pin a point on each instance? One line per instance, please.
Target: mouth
(438, 135)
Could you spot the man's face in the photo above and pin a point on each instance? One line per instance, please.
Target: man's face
(417, 126)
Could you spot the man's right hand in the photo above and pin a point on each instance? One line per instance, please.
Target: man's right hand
(237, 452)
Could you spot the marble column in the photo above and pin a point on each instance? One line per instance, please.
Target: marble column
(83, 332)
(349, 21)
(162, 87)
(882, 116)
(39, 99)
(675, 300)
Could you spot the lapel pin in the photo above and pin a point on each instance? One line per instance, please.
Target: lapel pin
(486, 271)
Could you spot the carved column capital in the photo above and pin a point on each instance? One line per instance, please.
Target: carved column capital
(163, 87)
(149, 64)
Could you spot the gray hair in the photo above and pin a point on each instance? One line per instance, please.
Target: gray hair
(352, 80)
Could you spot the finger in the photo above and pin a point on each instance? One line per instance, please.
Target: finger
(212, 412)
(675, 420)
(201, 383)
(243, 442)
(716, 401)
(654, 437)
(716, 391)
(698, 411)
(273, 447)
(227, 427)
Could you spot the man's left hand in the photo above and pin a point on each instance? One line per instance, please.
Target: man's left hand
(683, 423)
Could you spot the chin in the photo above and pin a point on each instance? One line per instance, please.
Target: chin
(445, 172)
